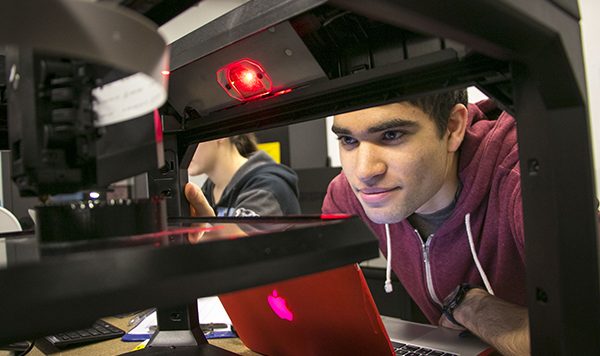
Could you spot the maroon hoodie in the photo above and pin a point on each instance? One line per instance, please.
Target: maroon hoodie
(491, 193)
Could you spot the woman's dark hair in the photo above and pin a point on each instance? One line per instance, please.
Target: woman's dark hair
(439, 106)
(245, 144)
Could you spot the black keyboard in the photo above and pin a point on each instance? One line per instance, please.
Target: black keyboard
(101, 330)
(414, 350)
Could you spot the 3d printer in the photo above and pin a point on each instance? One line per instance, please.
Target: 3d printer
(309, 59)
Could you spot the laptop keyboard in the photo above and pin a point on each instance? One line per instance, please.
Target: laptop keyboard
(414, 350)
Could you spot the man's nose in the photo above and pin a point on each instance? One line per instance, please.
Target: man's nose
(370, 163)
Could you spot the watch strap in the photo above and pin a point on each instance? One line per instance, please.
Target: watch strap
(453, 300)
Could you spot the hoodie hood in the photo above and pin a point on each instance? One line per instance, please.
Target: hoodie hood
(488, 157)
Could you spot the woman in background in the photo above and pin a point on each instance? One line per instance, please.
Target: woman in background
(242, 181)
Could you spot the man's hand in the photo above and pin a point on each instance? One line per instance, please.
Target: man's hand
(198, 207)
(198, 204)
(502, 325)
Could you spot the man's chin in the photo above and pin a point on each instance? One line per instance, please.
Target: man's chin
(383, 217)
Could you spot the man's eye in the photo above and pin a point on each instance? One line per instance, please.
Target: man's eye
(346, 140)
(392, 135)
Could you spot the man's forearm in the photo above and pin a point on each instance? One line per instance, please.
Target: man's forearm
(503, 325)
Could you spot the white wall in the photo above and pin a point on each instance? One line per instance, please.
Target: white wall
(196, 16)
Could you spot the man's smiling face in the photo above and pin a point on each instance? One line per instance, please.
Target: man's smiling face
(396, 161)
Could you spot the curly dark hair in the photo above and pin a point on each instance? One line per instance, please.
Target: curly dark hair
(439, 106)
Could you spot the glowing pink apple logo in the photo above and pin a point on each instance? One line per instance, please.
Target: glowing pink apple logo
(278, 305)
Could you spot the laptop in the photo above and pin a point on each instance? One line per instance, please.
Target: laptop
(333, 313)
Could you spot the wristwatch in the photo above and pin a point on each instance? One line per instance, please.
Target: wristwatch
(453, 300)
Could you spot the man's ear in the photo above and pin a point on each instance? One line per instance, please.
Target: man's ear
(457, 125)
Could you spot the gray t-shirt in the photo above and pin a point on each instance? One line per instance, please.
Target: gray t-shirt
(427, 224)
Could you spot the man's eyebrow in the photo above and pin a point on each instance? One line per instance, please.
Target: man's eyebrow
(340, 130)
(387, 125)
(393, 124)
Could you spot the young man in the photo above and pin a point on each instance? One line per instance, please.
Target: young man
(244, 181)
(438, 181)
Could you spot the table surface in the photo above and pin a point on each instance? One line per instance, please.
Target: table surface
(116, 346)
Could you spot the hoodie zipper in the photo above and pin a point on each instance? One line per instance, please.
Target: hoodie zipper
(428, 278)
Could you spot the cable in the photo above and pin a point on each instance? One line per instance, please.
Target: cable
(330, 20)
(28, 349)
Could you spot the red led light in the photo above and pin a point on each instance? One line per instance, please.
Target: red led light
(165, 72)
(281, 92)
(244, 80)
(335, 216)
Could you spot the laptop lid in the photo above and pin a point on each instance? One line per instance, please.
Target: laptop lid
(319, 314)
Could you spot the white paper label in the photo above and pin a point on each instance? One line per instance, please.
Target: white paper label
(127, 98)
